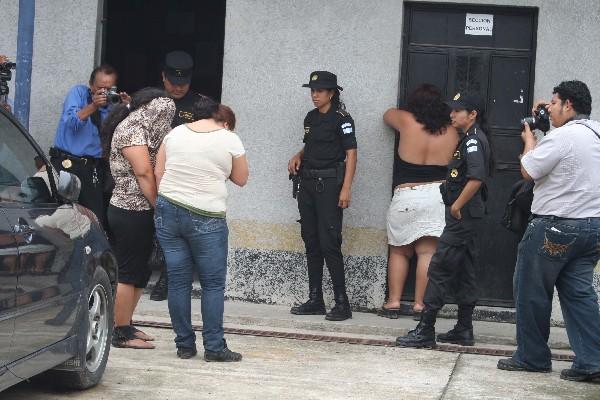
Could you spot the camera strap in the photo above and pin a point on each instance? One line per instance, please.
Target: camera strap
(589, 127)
(96, 118)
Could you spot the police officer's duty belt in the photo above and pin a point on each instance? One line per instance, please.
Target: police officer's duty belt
(319, 173)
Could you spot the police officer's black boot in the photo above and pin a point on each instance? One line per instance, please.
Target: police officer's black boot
(314, 306)
(423, 335)
(341, 310)
(161, 288)
(462, 333)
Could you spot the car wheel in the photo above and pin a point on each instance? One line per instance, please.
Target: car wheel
(94, 348)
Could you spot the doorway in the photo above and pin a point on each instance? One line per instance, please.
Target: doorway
(138, 33)
(489, 50)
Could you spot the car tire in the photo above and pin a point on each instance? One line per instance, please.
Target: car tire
(97, 316)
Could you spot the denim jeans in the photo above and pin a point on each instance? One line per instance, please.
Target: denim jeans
(192, 241)
(562, 253)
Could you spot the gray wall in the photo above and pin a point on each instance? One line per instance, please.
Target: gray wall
(271, 47)
(63, 55)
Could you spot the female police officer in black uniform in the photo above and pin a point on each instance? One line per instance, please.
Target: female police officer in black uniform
(456, 257)
(324, 191)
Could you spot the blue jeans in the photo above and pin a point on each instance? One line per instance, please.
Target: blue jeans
(562, 253)
(190, 241)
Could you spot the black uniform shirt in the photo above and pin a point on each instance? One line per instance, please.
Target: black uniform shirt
(327, 137)
(471, 161)
(183, 109)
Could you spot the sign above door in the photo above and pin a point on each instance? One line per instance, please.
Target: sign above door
(479, 24)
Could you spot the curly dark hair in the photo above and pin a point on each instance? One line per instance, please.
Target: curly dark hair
(427, 105)
(119, 112)
(204, 107)
(578, 93)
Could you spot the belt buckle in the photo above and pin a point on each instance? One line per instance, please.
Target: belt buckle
(66, 163)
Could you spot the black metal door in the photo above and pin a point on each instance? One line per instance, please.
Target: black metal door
(500, 66)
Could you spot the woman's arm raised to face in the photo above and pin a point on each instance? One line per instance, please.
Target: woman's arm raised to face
(393, 118)
(239, 170)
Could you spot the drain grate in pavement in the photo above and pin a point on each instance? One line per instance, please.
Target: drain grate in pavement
(353, 340)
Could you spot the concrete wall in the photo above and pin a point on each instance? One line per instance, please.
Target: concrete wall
(63, 55)
(270, 49)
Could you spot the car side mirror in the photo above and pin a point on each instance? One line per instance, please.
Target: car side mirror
(69, 186)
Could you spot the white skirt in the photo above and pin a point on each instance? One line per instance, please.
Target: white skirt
(415, 212)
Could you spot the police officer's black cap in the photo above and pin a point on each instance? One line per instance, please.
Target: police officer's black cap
(467, 101)
(322, 80)
(178, 67)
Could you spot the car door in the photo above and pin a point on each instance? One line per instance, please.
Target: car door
(48, 275)
(8, 288)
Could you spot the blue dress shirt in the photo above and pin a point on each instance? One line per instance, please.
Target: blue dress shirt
(73, 135)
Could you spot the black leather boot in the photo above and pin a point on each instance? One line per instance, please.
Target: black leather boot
(423, 335)
(161, 288)
(341, 310)
(462, 333)
(314, 305)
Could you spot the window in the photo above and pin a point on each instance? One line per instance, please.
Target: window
(23, 175)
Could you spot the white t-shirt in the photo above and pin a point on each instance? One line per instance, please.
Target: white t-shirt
(197, 166)
(564, 166)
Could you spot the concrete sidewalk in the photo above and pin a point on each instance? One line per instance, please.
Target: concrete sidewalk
(269, 318)
(280, 368)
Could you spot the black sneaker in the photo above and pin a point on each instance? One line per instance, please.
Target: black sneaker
(186, 352)
(224, 355)
(577, 375)
(508, 364)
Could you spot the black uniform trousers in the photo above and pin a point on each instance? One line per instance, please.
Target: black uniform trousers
(321, 228)
(453, 267)
(94, 174)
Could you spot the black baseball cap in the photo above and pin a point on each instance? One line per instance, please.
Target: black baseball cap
(467, 101)
(322, 80)
(178, 67)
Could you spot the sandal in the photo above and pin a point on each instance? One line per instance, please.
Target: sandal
(141, 335)
(391, 313)
(124, 337)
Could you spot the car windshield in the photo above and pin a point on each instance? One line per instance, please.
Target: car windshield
(23, 175)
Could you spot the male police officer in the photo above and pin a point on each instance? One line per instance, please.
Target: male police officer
(561, 245)
(177, 77)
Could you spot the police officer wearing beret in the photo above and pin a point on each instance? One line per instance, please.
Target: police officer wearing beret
(177, 77)
(456, 258)
(325, 167)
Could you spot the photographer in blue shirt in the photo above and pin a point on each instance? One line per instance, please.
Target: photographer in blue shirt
(77, 147)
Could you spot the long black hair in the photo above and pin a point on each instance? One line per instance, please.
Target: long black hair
(427, 105)
(119, 112)
(482, 122)
(336, 101)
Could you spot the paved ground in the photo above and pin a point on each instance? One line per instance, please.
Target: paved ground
(293, 369)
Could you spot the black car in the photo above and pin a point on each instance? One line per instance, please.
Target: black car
(57, 272)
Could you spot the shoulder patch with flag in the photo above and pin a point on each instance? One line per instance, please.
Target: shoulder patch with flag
(347, 128)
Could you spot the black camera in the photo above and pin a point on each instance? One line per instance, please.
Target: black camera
(112, 96)
(540, 119)
(5, 76)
